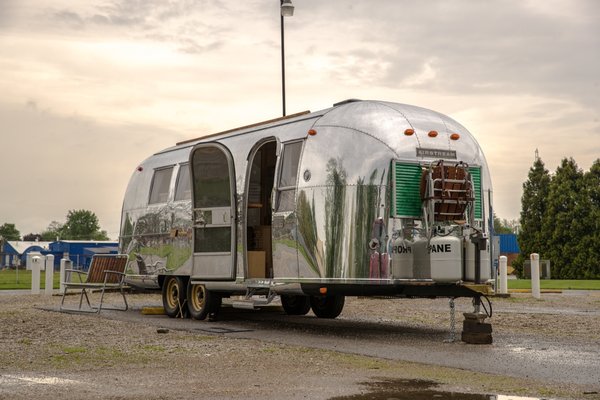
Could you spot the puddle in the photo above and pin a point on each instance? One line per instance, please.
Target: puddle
(34, 380)
(218, 329)
(404, 389)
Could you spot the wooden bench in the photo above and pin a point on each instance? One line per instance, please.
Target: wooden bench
(107, 271)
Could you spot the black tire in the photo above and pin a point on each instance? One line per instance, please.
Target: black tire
(202, 303)
(327, 306)
(174, 297)
(295, 305)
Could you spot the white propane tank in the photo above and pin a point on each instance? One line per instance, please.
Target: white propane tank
(486, 266)
(402, 258)
(421, 266)
(469, 260)
(445, 253)
(486, 272)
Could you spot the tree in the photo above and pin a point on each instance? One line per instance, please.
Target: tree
(504, 225)
(588, 223)
(561, 227)
(82, 225)
(53, 232)
(533, 211)
(10, 232)
(32, 237)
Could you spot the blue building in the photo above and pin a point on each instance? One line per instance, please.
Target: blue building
(80, 252)
(509, 247)
(14, 253)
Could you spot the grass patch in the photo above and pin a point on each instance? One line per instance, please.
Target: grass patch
(557, 284)
(74, 350)
(153, 348)
(10, 281)
(65, 357)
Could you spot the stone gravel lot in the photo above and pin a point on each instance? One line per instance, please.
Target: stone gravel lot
(45, 354)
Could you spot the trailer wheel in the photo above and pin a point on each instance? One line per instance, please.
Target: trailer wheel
(327, 306)
(203, 303)
(295, 305)
(174, 296)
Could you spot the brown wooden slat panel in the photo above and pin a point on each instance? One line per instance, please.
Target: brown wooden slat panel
(101, 263)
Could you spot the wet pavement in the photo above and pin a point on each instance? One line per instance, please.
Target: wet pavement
(402, 389)
(552, 359)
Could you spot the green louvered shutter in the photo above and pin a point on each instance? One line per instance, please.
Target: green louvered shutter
(407, 190)
(476, 176)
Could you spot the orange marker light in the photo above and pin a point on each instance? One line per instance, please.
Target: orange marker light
(323, 290)
(455, 136)
(432, 134)
(409, 132)
(312, 132)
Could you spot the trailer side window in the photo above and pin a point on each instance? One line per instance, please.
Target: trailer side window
(288, 176)
(159, 190)
(182, 188)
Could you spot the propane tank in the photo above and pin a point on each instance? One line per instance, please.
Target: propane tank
(484, 254)
(469, 260)
(402, 258)
(421, 266)
(486, 269)
(445, 253)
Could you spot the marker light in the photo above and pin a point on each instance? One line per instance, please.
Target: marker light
(312, 132)
(323, 290)
(432, 134)
(455, 136)
(409, 132)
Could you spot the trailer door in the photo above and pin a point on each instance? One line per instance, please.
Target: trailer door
(213, 200)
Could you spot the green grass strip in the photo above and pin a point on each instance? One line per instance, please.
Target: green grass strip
(558, 284)
(9, 280)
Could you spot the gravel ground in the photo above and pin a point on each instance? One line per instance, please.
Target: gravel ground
(47, 354)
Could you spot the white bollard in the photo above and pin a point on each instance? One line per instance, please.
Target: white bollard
(36, 265)
(65, 264)
(503, 275)
(49, 275)
(535, 275)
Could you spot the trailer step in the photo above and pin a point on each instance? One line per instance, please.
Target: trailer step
(244, 304)
(250, 304)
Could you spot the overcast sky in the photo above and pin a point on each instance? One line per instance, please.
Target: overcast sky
(89, 88)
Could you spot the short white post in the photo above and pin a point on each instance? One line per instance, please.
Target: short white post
(503, 277)
(535, 275)
(65, 263)
(49, 275)
(36, 265)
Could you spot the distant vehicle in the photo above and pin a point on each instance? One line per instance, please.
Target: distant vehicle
(364, 198)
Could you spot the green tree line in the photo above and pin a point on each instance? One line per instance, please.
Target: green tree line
(79, 225)
(560, 219)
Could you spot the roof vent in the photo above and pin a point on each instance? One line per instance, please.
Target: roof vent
(341, 103)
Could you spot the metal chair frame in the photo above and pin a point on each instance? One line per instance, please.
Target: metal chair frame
(107, 271)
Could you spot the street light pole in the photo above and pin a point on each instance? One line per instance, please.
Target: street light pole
(287, 10)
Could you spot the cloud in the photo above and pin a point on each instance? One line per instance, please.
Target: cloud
(141, 75)
(55, 163)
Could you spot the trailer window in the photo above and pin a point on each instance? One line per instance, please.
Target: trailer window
(288, 176)
(159, 190)
(211, 178)
(182, 188)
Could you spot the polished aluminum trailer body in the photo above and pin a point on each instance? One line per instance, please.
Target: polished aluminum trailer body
(308, 204)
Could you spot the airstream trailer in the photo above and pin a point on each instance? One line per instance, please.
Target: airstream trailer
(364, 198)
